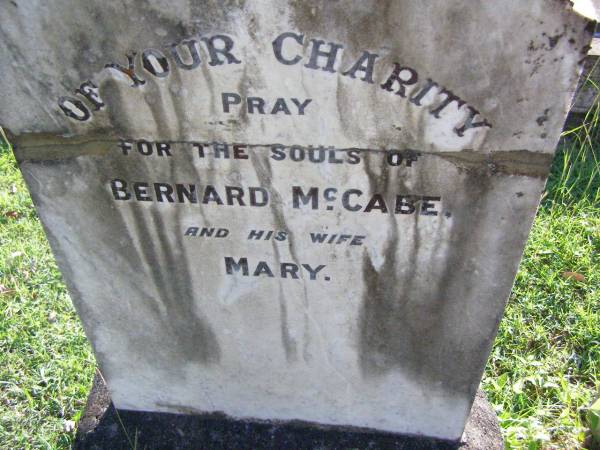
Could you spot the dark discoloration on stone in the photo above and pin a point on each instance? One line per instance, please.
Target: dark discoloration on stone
(412, 334)
(543, 118)
(192, 337)
(553, 40)
(171, 300)
(264, 173)
(101, 427)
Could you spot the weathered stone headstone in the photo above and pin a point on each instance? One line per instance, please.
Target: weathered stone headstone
(290, 210)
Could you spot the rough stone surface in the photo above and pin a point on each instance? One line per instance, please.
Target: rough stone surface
(422, 144)
(102, 427)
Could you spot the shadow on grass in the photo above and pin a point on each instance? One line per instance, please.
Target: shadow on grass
(575, 173)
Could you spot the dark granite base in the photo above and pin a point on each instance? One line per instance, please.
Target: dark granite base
(103, 427)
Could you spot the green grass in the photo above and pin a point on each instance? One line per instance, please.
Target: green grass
(542, 374)
(545, 366)
(46, 365)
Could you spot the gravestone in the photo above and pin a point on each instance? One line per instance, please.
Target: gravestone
(293, 211)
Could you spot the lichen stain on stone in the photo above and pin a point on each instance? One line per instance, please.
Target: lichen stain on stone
(543, 117)
(189, 335)
(171, 300)
(264, 174)
(406, 321)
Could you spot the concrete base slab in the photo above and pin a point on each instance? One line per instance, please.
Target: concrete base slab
(103, 427)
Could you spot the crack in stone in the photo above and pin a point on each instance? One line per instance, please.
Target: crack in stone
(519, 162)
